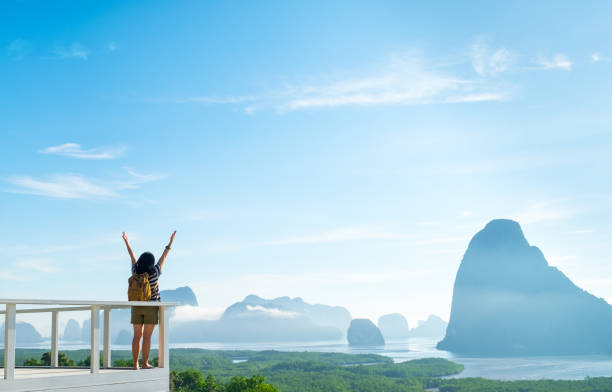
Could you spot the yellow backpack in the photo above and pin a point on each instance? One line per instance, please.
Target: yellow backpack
(139, 288)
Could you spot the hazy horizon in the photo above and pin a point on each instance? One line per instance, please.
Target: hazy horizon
(344, 154)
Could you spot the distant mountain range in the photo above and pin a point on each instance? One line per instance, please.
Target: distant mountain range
(25, 333)
(256, 319)
(433, 327)
(393, 326)
(120, 319)
(507, 300)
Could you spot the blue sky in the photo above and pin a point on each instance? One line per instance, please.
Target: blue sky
(344, 152)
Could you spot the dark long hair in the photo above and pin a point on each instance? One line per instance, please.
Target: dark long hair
(145, 263)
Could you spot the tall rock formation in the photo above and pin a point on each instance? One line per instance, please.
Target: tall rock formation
(72, 331)
(507, 300)
(24, 333)
(183, 295)
(363, 332)
(433, 327)
(393, 326)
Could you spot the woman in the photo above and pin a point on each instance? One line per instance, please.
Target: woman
(144, 318)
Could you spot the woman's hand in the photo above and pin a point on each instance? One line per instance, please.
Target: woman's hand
(172, 238)
(124, 236)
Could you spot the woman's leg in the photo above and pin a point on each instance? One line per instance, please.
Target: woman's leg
(136, 344)
(146, 344)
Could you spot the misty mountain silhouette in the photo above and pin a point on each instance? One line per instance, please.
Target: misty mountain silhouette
(363, 332)
(256, 319)
(393, 326)
(121, 326)
(507, 300)
(324, 315)
(24, 332)
(183, 295)
(72, 331)
(433, 327)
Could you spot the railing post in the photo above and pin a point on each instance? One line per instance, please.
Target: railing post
(164, 350)
(9, 341)
(107, 337)
(54, 338)
(95, 339)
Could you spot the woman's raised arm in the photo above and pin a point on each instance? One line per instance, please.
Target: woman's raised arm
(162, 259)
(128, 248)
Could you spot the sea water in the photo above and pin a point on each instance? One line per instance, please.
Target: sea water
(502, 368)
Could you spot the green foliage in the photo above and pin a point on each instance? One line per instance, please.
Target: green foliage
(314, 372)
(126, 363)
(252, 384)
(191, 380)
(32, 362)
(265, 371)
(86, 362)
(45, 360)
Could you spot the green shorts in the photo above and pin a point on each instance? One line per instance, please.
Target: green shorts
(145, 315)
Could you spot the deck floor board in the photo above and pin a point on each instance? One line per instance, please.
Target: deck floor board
(22, 373)
(45, 379)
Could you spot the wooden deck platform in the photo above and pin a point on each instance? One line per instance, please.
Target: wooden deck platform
(96, 378)
(81, 379)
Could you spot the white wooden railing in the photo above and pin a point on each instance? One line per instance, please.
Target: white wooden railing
(56, 306)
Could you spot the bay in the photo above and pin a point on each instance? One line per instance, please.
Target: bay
(499, 368)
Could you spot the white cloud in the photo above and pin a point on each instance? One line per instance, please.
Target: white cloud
(558, 260)
(354, 233)
(195, 313)
(74, 51)
(441, 240)
(136, 179)
(597, 57)
(486, 61)
(428, 223)
(272, 312)
(560, 60)
(18, 49)
(482, 97)
(74, 150)
(346, 234)
(75, 186)
(535, 216)
(497, 165)
(16, 278)
(38, 265)
(62, 186)
(210, 100)
(406, 81)
(583, 231)
(552, 210)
